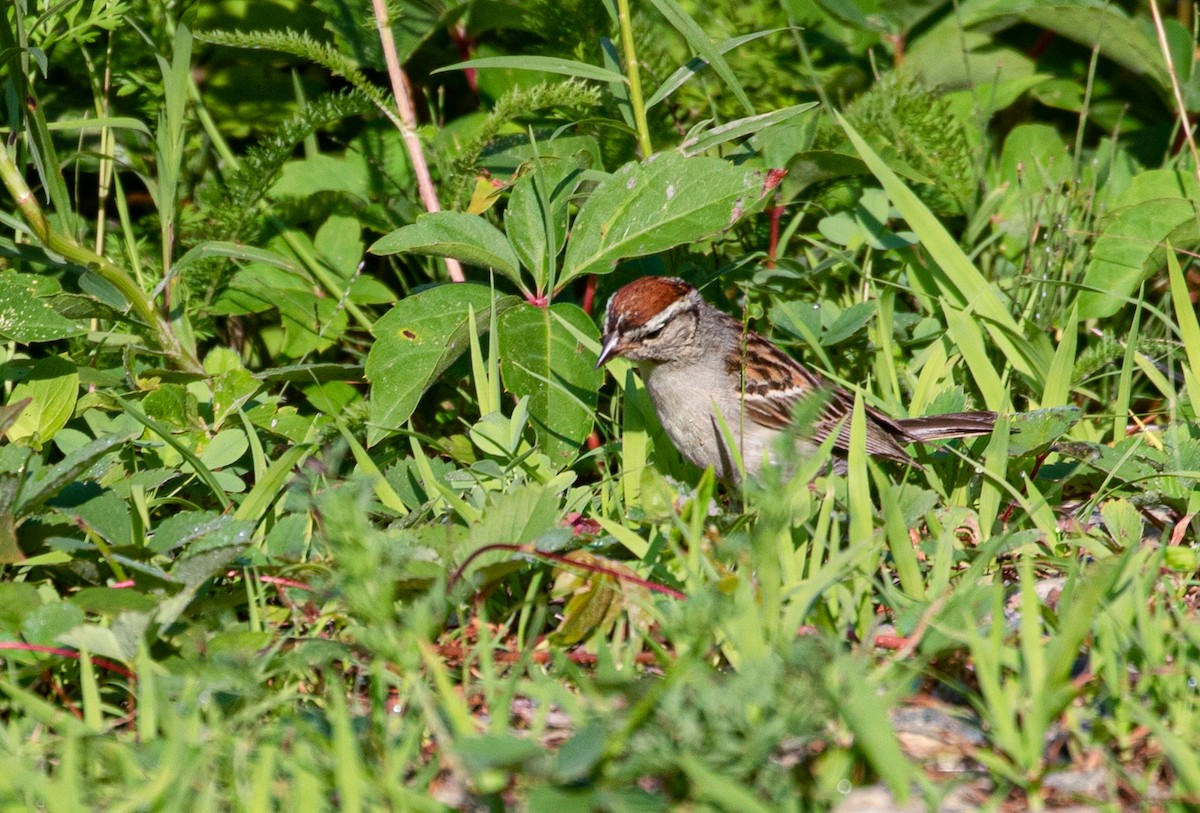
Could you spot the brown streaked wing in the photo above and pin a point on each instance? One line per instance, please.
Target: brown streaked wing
(770, 401)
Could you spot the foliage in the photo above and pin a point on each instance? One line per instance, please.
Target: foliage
(289, 519)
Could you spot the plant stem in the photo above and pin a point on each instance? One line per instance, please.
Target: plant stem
(633, 73)
(1176, 90)
(408, 115)
(66, 247)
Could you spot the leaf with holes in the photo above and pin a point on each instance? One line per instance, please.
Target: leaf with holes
(414, 343)
(26, 316)
(663, 202)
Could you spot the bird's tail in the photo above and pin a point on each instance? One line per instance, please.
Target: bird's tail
(950, 425)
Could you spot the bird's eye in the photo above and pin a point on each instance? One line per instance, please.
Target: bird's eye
(654, 333)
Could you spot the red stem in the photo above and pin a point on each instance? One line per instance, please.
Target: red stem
(21, 646)
(564, 561)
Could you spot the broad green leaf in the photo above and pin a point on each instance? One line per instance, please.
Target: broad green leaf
(339, 242)
(48, 621)
(518, 516)
(414, 342)
(112, 601)
(665, 201)
(491, 751)
(97, 640)
(53, 387)
(507, 159)
(1160, 206)
(1129, 42)
(26, 316)
(47, 482)
(236, 251)
(225, 449)
(578, 756)
(468, 238)
(199, 530)
(1123, 522)
(1033, 431)
(541, 358)
(101, 511)
(593, 608)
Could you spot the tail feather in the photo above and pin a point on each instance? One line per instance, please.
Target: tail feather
(950, 425)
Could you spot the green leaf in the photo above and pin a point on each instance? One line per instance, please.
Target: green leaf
(591, 609)
(580, 755)
(53, 387)
(1035, 430)
(665, 201)
(497, 751)
(99, 510)
(47, 622)
(468, 238)
(536, 217)
(545, 64)
(270, 483)
(1123, 522)
(1159, 207)
(703, 142)
(225, 449)
(1129, 42)
(17, 601)
(26, 316)
(702, 45)
(198, 531)
(1189, 328)
(112, 601)
(849, 322)
(957, 278)
(414, 343)
(518, 517)
(694, 66)
(97, 640)
(49, 481)
(541, 358)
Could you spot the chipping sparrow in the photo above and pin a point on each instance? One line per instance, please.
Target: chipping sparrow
(697, 362)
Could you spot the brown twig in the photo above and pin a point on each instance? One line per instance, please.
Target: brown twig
(408, 116)
(1174, 77)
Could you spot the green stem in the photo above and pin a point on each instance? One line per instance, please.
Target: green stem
(633, 74)
(69, 249)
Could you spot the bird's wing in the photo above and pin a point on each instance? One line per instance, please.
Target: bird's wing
(775, 384)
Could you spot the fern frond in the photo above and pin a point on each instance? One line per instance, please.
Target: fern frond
(303, 46)
(918, 126)
(230, 213)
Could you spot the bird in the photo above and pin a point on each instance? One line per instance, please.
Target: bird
(700, 366)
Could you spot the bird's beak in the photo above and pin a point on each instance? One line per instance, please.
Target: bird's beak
(609, 348)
